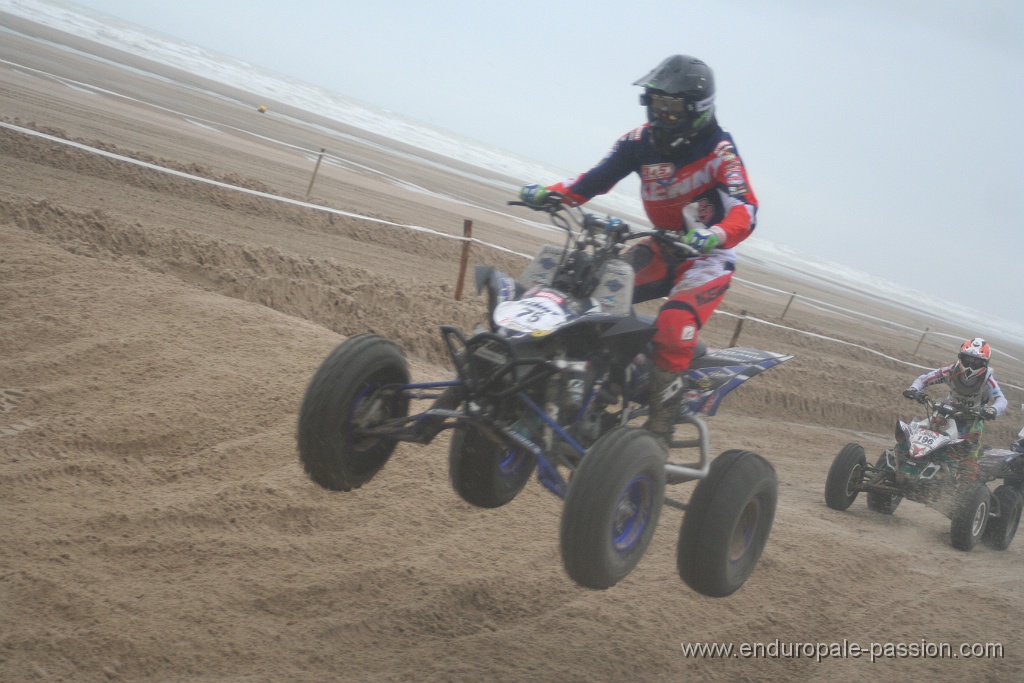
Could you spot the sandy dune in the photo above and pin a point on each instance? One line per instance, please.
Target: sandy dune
(158, 332)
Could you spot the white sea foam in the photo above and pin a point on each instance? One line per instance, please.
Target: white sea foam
(165, 50)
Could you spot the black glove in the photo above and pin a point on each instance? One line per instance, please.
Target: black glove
(988, 413)
(912, 394)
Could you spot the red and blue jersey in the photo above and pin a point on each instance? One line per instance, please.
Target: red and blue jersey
(707, 172)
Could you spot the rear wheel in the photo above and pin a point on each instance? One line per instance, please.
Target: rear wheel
(845, 476)
(485, 472)
(882, 501)
(970, 517)
(346, 396)
(727, 522)
(1000, 530)
(612, 507)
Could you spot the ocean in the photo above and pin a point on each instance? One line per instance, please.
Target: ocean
(262, 82)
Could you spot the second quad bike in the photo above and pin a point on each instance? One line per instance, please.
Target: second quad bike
(551, 386)
(928, 464)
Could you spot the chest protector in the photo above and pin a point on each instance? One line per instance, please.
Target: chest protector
(969, 395)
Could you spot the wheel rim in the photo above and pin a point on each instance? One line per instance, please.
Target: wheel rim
(745, 532)
(980, 514)
(510, 460)
(853, 481)
(368, 409)
(365, 411)
(632, 512)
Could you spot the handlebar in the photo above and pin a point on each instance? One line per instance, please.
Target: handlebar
(946, 408)
(563, 216)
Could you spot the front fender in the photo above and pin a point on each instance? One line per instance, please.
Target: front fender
(482, 275)
(500, 287)
(902, 432)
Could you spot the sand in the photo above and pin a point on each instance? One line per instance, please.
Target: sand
(158, 333)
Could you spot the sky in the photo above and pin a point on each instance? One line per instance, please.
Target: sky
(881, 134)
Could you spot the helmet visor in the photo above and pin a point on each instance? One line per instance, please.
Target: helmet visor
(665, 110)
(972, 362)
(666, 103)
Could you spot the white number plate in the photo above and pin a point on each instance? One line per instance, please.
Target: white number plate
(924, 442)
(535, 314)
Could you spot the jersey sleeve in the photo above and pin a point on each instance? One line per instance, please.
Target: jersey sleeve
(738, 200)
(995, 395)
(615, 166)
(937, 376)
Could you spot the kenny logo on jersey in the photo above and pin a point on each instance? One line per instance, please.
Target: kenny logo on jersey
(658, 184)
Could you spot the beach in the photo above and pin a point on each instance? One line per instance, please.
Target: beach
(159, 330)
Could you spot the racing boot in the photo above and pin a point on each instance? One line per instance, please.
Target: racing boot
(667, 389)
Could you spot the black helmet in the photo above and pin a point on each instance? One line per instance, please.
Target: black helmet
(680, 98)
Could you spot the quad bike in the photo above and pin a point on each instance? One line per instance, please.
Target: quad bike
(928, 465)
(551, 386)
(1018, 445)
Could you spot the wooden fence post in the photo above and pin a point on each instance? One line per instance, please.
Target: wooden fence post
(467, 234)
(309, 190)
(919, 342)
(783, 316)
(739, 326)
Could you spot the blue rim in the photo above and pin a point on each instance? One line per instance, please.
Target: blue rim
(510, 461)
(745, 531)
(357, 443)
(632, 512)
(363, 445)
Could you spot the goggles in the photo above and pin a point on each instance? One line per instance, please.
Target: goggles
(666, 104)
(972, 362)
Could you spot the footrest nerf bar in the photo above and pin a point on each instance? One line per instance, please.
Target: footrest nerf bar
(676, 473)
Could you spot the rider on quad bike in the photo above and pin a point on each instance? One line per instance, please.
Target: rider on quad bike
(939, 461)
(972, 385)
(693, 182)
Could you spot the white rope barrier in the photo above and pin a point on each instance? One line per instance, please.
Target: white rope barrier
(438, 233)
(821, 336)
(833, 308)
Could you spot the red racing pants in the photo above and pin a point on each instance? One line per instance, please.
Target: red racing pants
(694, 289)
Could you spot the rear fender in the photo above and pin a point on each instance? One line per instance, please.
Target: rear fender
(998, 462)
(719, 371)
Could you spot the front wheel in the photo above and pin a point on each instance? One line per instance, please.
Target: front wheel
(970, 517)
(612, 507)
(486, 472)
(845, 476)
(1000, 530)
(348, 394)
(727, 522)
